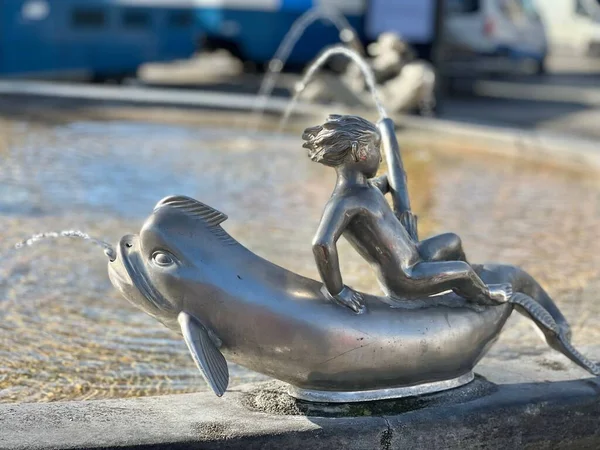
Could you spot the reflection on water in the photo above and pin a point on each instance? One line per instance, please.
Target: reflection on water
(65, 332)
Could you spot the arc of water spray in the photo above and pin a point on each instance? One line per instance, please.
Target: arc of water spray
(320, 62)
(32, 240)
(347, 35)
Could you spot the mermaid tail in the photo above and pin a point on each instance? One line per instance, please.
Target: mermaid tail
(555, 335)
(525, 284)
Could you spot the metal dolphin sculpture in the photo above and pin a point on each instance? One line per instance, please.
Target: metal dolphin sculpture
(229, 304)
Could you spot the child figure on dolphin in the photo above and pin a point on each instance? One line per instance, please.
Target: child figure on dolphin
(359, 211)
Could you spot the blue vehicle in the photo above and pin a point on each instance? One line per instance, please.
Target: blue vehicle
(99, 38)
(253, 29)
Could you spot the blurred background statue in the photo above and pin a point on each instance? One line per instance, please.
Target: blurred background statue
(406, 83)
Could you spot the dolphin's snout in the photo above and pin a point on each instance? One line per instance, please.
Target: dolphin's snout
(118, 260)
(111, 253)
(124, 247)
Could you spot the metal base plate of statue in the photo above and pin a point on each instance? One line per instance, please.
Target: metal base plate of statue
(439, 317)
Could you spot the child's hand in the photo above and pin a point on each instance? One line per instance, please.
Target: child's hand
(409, 220)
(349, 298)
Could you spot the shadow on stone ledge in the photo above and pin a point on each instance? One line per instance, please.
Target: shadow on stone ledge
(272, 398)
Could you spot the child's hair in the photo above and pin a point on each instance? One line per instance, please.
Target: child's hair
(331, 142)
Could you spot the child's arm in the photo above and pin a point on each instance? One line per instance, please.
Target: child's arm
(397, 177)
(333, 223)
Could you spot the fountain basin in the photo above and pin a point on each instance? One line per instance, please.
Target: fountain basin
(72, 171)
(58, 174)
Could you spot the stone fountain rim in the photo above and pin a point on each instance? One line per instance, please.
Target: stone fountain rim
(508, 416)
(47, 98)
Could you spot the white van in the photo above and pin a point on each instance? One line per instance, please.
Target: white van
(492, 36)
(573, 26)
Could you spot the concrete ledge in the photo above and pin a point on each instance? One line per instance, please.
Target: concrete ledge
(145, 96)
(562, 415)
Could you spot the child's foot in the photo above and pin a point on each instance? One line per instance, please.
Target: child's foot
(500, 293)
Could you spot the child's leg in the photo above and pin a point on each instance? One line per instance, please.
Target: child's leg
(428, 278)
(445, 247)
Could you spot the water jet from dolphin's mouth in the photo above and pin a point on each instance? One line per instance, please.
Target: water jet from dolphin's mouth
(109, 250)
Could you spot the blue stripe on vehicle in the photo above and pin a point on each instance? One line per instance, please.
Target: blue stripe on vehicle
(250, 5)
(296, 5)
(348, 7)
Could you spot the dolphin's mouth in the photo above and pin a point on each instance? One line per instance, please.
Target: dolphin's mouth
(128, 274)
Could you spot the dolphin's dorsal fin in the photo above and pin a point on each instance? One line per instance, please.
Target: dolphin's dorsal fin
(206, 355)
(208, 215)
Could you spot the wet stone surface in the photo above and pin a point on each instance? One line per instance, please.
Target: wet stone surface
(65, 333)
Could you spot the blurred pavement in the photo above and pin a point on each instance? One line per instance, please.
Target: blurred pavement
(565, 100)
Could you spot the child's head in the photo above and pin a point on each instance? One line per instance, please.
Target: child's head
(345, 140)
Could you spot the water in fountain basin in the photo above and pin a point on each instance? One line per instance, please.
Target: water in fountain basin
(276, 65)
(320, 62)
(66, 333)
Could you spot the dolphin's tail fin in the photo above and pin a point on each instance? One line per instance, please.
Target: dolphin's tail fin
(555, 337)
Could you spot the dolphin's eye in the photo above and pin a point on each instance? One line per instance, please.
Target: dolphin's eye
(162, 259)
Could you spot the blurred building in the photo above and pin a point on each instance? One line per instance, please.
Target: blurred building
(493, 36)
(253, 29)
(573, 26)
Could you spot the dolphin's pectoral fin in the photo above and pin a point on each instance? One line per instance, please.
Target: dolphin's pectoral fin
(206, 355)
(555, 335)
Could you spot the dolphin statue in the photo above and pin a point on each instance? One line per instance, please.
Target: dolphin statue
(229, 304)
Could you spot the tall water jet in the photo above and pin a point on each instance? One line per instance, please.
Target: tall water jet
(348, 35)
(320, 62)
